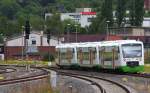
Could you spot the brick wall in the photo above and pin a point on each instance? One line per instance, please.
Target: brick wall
(16, 52)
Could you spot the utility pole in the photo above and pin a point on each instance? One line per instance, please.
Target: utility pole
(76, 34)
(22, 42)
(27, 33)
(68, 33)
(107, 33)
(48, 41)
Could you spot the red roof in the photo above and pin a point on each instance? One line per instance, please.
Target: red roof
(88, 13)
(112, 37)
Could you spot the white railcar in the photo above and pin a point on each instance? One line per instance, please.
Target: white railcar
(126, 55)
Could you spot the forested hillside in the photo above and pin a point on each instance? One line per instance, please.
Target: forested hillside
(13, 13)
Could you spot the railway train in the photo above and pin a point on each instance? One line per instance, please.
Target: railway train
(122, 55)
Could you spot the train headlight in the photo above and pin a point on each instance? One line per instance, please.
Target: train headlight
(124, 59)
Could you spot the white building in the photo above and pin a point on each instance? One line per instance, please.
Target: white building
(36, 46)
(146, 22)
(35, 39)
(82, 16)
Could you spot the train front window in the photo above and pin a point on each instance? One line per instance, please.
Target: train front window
(132, 50)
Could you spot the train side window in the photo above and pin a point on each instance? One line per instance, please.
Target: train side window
(108, 53)
(85, 53)
(70, 53)
(63, 53)
(93, 50)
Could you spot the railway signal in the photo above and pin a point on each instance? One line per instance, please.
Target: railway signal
(48, 36)
(27, 29)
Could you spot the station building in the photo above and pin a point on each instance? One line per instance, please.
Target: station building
(35, 47)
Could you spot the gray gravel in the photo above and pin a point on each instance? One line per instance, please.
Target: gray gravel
(72, 85)
(136, 84)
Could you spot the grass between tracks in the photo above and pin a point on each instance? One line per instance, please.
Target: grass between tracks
(23, 62)
(147, 68)
(45, 64)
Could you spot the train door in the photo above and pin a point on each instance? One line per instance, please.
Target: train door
(83, 55)
(109, 56)
(63, 56)
(86, 55)
(79, 55)
(101, 58)
(116, 56)
(71, 55)
(66, 55)
(93, 55)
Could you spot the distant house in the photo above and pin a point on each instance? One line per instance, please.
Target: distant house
(35, 47)
(130, 31)
(147, 4)
(82, 16)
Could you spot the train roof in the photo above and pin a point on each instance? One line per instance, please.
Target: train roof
(94, 44)
(118, 42)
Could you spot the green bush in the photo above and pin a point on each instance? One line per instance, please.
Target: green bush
(96, 68)
(75, 66)
(48, 57)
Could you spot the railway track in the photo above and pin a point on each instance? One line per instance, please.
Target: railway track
(104, 85)
(7, 70)
(23, 78)
(144, 75)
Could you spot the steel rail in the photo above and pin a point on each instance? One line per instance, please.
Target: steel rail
(102, 90)
(42, 75)
(96, 77)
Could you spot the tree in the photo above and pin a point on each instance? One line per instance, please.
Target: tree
(1, 39)
(98, 25)
(120, 11)
(139, 12)
(46, 2)
(132, 12)
(9, 8)
(136, 12)
(104, 14)
(37, 22)
(72, 27)
(54, 24)
(107, 12)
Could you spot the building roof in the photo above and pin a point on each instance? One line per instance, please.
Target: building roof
(83, 38)
(33, 32)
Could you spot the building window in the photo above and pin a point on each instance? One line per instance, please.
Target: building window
(90, 19)
(33, 42)
(75, 16)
